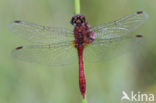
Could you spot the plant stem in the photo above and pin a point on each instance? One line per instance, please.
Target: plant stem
(77, 6)
(84, 100)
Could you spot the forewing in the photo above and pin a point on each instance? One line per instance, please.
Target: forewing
(105, 49)
(41, 34)
(54, 54)
(121, 27)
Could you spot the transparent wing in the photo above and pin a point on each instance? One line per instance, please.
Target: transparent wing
(121, 27)
(54, 54)
(40, 34)
(105, 49)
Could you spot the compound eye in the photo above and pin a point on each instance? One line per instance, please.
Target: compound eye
(71, 21)
(82, 21)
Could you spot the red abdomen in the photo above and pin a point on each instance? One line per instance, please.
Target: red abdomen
(82, 81)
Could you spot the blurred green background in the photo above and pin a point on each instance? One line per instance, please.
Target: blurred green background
(22, 82)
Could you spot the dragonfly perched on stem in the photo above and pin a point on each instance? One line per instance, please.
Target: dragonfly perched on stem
(57, 46)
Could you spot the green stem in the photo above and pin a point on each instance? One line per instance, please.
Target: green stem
(77, 6)
(84, 100)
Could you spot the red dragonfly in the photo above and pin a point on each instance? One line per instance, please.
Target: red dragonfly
(57, 46)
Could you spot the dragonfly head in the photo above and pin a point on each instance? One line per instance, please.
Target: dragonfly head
(78, 20)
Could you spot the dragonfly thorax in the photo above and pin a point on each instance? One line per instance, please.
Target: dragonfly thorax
(82, 33)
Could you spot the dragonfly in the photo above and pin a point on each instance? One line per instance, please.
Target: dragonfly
(60, 46)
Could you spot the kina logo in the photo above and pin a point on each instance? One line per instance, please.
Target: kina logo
(140, 97)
